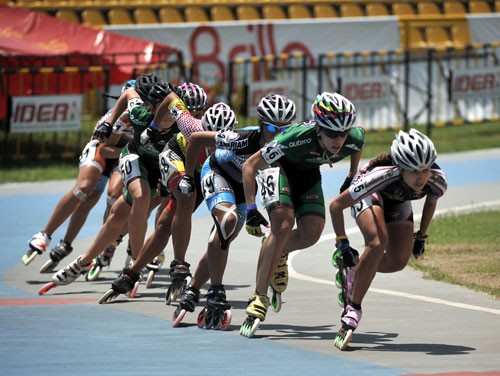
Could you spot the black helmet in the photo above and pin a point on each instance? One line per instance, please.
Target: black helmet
(151, 88)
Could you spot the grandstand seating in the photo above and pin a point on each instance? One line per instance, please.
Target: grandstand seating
(324, 11)
(298, 11)
(246, 12)
(351, 10)
(145, 16)
(430, 32)
(67, 15)
(376, 9)
(119, 16)
(273, 12)
(479, 7)
(454, 7)
(221, 13)
(195, 14)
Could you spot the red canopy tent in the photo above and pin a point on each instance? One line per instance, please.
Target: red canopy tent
(34, 40)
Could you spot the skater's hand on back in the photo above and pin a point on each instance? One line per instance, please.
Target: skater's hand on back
(186, 185)
(350, 256)
(419, 244)
(254, 221)
(103, 130)
(347, 182)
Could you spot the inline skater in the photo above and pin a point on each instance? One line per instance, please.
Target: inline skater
(171, 161)
(380, 199)
(223, 192)
(97, 161)
(140, 173)
(291, 190)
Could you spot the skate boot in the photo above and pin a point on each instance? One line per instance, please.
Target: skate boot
(349, 322)
(37, 245)
(181, 277)
(66, 276)
(217, 313)
(122, 285)
(279, 283)
(153, 268)
(100, 262)
(189, 299)
(344, 278)
(256, 313)
(133, 293)
(56, 255)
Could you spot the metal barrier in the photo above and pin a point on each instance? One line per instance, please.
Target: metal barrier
(391, 89)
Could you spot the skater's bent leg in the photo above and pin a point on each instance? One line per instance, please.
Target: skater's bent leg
(111, 229)
(201, 275)
(307, 233)
(88, 177)
(372, 225)
(282, 221)
(398, 249)
(79, 217)
(181, 225)
(137, 225)
(115, 188)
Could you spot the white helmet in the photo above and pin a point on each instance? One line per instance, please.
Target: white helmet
(192, 95)
(413, 150)
(276, 109)
(218, 117)
(333, 112)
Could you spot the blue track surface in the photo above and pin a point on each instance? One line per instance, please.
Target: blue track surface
(83, 338)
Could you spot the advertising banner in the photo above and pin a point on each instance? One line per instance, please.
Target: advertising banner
(47, 113)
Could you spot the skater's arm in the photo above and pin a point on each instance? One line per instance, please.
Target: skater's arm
(355, 158)
(249, 171)
(337, 207)
(427, 214)
(196, 144)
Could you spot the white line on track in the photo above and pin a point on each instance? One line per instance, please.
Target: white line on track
(465, 208)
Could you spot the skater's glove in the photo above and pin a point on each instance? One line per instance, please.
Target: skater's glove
(419, 244)
(149, 135)
(347, 182)
(103, 130)
(350, 256)
(186, 185)
(254, 221)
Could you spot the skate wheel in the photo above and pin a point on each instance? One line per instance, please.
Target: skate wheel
(27, 258)
(93, 273)
(133, 293)
(341, 299)
(342, 340)
(226, 320)
(48, 266)
(200, 321)
(149, 280)
(178, 317)
(108, 296)
(249, 327)
(276, 301)
(46, 288)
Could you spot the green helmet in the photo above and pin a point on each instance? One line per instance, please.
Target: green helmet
(140, 115)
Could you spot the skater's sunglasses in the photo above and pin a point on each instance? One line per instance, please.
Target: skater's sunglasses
(273, 128)
(333, 134)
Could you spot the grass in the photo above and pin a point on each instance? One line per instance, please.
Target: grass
(464, 250)
(447, 140)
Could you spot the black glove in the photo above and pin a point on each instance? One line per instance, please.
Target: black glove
(418, 244)
(345, 184)
(254, 221)
(350, 256)
(103, 130)
(186, 185)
